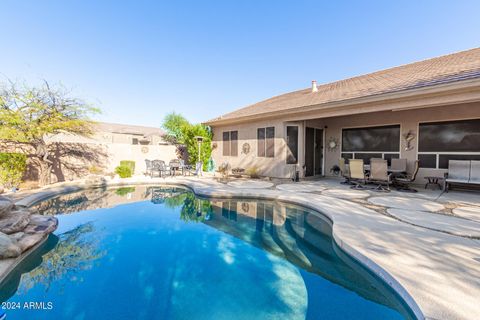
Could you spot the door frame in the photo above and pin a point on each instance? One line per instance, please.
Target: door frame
(323, 148)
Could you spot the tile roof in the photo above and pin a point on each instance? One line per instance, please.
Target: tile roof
(454, 67)
(128, 129)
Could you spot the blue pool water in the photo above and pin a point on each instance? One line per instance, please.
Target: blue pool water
(163, 253)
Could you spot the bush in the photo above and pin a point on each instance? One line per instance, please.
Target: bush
(253, 172)
(95, 170)
(12, 167)
(124, 191)
(124, 171)
(128, 163)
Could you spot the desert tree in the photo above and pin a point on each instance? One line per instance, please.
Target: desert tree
(29, 115)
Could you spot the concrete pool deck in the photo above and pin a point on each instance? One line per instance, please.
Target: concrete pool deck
(432, 260)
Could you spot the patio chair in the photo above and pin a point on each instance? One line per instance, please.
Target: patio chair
(344, 171)
(357, 173)
(174, 165)
(148, 171)
(160, 167)
(379, 174)
(186, 168)
(458, 172)
(399, 165)
(402, 183)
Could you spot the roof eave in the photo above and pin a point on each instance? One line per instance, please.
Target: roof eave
(464, 85)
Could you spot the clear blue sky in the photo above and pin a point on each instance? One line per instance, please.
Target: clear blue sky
(138, 60)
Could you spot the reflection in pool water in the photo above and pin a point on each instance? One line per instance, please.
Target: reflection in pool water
(163, 253)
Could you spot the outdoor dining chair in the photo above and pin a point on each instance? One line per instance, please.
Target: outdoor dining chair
(399, 165)
(357, 173)
(159, 167)
(148, 164)
(379, 174)
(344, 171)
(402, 183)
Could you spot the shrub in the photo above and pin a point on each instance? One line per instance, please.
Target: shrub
(123, 171)
(128, 163)
(12, 167)
(95, 170)
(253, 172)
(124, 191)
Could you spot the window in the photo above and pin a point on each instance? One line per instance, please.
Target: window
(371, 142)
(134, 140)
(439, 142)
(292, 144)
(266, 142)
(230, 143)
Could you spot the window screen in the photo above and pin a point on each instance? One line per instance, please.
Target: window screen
(452, 136)
(261, 142)
(385, 139)
(270, 134)
(226, 143)
(292, 144)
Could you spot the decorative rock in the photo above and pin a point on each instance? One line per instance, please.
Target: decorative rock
(41, 224)
(8, 247)
(409, 203)
(29, 240)
(6, 205)
(16, 236)
(95, 181)
(14, 221)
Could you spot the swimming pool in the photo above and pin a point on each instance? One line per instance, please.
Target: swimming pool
(162, 252)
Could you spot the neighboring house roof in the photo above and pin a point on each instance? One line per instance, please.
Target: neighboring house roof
(128, 129)
(450, 68)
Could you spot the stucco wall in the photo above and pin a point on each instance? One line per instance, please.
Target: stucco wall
(408, 120)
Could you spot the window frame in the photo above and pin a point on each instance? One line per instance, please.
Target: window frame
(231, 146)
(437, 154)
(265, 148)
(399, 153)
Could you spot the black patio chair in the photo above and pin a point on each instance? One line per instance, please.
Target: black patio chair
(402, 183)
(159, 166)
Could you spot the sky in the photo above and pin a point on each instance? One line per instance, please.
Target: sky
(139, 60)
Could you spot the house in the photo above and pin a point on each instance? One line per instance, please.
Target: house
(427, 110)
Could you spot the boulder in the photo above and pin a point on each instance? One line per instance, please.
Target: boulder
(6, 205)
(28, 240)
(41, 224)
(95, 181)
(14, 221)
(8, 247)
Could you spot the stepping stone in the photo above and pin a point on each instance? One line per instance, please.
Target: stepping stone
(250, 184)
(450, 224)
(6, 205)
(14, 221)
(409, 203)
(300, 187)
(346, 193)
(8, 247)
(472, 213)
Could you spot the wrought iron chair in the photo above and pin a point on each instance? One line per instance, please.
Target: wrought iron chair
(159, 167)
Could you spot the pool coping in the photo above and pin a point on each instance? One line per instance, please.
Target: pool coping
(212, 189)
